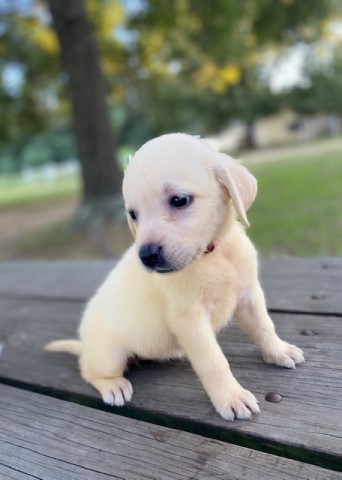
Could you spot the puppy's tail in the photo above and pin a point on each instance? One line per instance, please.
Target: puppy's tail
(69, 346)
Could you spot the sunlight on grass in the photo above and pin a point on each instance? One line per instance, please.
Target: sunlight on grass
(15, 192)
(298, 210)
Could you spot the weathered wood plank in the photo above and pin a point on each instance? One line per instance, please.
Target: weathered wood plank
(303, 284)
(291, 284)
(59, 279)
(12, 473)
(47, 438)
(309, 418)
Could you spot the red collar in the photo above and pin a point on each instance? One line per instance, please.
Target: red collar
(210, 248)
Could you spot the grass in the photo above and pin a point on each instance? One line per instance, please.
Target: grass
(297, 212)
(15, 193)
(298, 207)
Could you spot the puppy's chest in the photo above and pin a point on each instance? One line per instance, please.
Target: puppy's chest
(219, 298)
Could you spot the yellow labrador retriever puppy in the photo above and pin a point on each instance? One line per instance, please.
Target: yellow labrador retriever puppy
(190, 269)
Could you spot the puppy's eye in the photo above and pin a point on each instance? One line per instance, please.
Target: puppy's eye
(133, 215)
(181, 201)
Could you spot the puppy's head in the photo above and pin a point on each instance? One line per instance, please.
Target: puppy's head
(181, 197)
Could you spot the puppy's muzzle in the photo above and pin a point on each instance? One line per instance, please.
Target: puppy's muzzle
(152, 257)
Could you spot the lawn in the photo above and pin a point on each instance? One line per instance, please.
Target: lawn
(15, 192)
(298, 209)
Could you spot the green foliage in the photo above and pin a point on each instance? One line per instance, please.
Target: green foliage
(324, 92)
(28, 46)
(36, 150)
(288, 20)
(181, 65)
(217, 49)
(298, 207)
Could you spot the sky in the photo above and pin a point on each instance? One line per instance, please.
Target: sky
(6, 6)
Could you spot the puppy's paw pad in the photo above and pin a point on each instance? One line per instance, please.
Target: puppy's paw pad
(285, 355)
(240, 405)
(115, 391)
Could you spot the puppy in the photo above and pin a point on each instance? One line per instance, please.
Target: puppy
(191, 269)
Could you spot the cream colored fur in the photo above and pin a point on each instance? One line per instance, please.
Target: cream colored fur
(159, 316)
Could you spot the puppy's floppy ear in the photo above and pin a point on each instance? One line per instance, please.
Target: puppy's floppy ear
(238, 182)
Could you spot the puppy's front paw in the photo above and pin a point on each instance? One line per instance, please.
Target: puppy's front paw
(114, 391)
(240, 403)
(284, 355)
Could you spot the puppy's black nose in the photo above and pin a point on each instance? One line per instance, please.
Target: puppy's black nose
(151, 255)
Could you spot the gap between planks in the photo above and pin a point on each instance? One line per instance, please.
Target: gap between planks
(242, 439)
(43, 298)
(36, 438)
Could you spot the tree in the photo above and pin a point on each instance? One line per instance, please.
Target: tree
(323, 90)
(24, 57)
(95, 139)
(188, 65)
(212, 52)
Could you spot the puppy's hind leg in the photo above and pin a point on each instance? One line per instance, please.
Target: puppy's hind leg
(252, 314)
(102, 364)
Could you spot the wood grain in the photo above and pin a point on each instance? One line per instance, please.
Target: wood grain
(306, 424)
(303, 284)
(47, 438)
(291, 284)
(74, 280)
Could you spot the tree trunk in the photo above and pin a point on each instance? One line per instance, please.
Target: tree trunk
(94, 136)
(249, 140)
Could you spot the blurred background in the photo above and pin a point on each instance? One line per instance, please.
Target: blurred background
(84, 83)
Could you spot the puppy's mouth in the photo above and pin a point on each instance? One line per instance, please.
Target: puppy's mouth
(164, 270)
(159, 268)
(154, 259)
(166, 267)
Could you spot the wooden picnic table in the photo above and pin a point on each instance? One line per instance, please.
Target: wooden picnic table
(54, 426)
